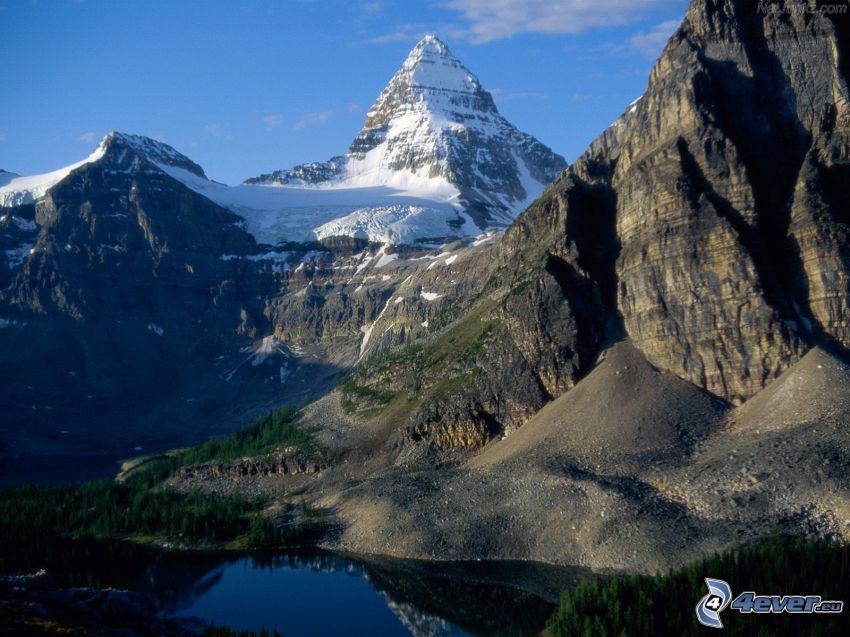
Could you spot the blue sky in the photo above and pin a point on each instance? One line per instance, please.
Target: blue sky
(246, 87)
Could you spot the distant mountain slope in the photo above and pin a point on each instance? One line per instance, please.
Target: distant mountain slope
(134, 311)
(125, 297)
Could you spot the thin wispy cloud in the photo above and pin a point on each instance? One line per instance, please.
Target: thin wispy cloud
(489, 20)
(213, 129)
(652, 42)
(354, 107)
(273, 121)
(395, 36)
(312, 119)
(2, 137)
(402, 33)
(372, 7)
(88, 137)
(501, 95)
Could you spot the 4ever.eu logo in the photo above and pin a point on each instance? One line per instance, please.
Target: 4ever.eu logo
(720, 596)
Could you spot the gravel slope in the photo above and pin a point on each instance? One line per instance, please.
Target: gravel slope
(634, 469)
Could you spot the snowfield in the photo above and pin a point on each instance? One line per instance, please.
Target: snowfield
(380, 213)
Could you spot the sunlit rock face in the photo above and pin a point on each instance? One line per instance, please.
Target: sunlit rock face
(719, 188)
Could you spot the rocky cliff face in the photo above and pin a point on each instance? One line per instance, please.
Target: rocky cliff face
(731, 262)
(706, 225)
(135, 312)
(694, 257)
(728, 251)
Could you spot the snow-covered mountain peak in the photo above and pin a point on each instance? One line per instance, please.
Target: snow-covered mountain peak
(431, 82)
(16, 190)
(430, 44)
(431, 65)
(20, 190)
(436, 134)
(153, 150)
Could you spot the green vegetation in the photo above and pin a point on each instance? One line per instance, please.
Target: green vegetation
(664, 605)
(394, 381)
(277, 430)
(46, 527)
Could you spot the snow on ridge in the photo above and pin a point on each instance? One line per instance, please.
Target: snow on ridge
(23, 190)
(430, 64)
(18, 190)
(151, 148)
(158, 152)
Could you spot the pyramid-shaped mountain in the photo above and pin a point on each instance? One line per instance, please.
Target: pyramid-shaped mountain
(435, 132)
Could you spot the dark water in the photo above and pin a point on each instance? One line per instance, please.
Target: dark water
(317, 594)
(306, 594)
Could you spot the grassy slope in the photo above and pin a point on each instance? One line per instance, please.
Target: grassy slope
(393, 383)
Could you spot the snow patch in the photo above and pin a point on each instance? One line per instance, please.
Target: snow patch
(24, 224)
(367, 329)
(267, 347)
(437, 259)
(484, 238)
(386, 259)
(23, 190)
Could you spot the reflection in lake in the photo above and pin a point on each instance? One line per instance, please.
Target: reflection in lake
(305, 594)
